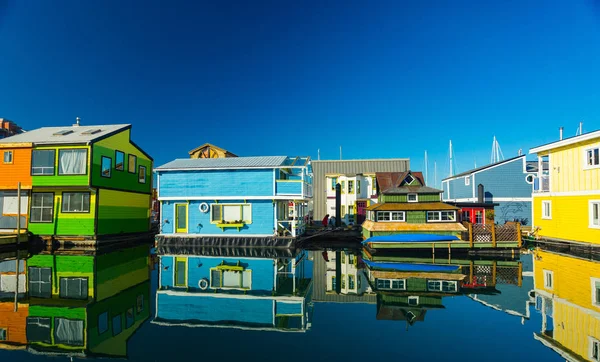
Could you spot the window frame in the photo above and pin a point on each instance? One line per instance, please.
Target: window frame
(549, 215)
(467, 180)
(117, 152)
(54, 163)
(358, 187)
(390, 216)
(454, 283)
(593, 282)
(333, 183)
(412, 194)
(42, 207)
(3, 336)
(57, 162)
(412, 179)
(102, 167)
(29, 281)
(222, 220)
(532, 178)
(83, 330)
(343, 186)
(547, 273)
(139, 304)
(60, 289)
(62, 203)
(351, 186)
(135, 163)
(101, 332)
(591, 204)
(140, 167)
(120, 324)
(593, 341)
(439, 213)
(12, 157)
(391, 280)
(413, 297)
(586, 159)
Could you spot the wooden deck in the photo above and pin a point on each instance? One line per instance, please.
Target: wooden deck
(11, 239)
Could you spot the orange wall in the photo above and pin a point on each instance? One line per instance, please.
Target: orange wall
(19, 170)
(14, 322)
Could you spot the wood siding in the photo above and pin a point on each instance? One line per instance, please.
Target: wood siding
(570, 218)
(14, 322)
(567, 172)
(123, 212)
(62, 180)
(18, 171)
(403, 198)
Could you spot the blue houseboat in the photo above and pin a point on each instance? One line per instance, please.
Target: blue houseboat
(263, 291)
(508, 183)
(228, 200)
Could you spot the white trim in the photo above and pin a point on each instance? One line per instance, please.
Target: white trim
(228, 296)
(413, 297)
(545, 273)
(467, 180)
(567, 193)
(501, 163)
(590, 225)
(549, 203)
(232, 168)
(474, 194)
(532, 178)
(494, 199)
(593, 341)
(584, 158)
(593, 285)
(411, 194)
(197, 198)
(188, 235)
(200, 325)
(566, 142)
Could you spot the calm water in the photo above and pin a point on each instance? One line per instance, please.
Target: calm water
(177, 303)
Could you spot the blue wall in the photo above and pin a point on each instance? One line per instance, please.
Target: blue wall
(289, 308)
(199, 268)
(216, 183)
(510, 210)
(507, 180)
(458, 189)
(263, 215)
(289, 188)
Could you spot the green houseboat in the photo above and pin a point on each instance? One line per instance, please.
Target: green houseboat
(407, 206)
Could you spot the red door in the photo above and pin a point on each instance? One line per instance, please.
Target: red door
(361, 211)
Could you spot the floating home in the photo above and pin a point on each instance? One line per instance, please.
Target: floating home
(357, 192)
(88, 184)
(262, 201)
(261, 292)
(87, 305)
(566, 199)
(508, 183)
(567, 292)
(407, 206)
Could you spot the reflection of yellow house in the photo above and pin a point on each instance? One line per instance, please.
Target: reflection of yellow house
(566, 198)
(568, 295)
(210, 151)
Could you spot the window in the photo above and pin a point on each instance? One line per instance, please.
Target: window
(233, 279)
(547, 209)
(129, 318)
(106, 166)
(343, 184)
(413, 300)
(139, 306)
(40, 282)
(343, 210)
(333, 183)
(38, 329)
(358, 187)
(8, 157)
(42, 162)
(412, 198)
(132, 163)
(594, 349)
(222, 213)
(76, 202)
(74, 288)
(442, 285)
(594, 214)
(358, 279)
(11, 204)
(396, 284)
(592, 157)
(42, 207)
(333, 283)
(351, 283)
(350, 186)
(466, 215)
(479, 217)
(68, 331)
(142, 175)
(119, 161)
(397, 216)
(548, 279)
(409, 179)
(3, 334)
(350, 213)
(467, 181)
(343, 257)
(103, 323)
(529, 179)
(441, 216)
(72, 162)
(116, 325)
(595, 291)
(373, 186)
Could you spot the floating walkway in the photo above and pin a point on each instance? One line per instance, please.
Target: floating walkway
(7, 240)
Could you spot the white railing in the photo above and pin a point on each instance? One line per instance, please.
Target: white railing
(542, 184)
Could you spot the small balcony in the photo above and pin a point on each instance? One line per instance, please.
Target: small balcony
(296, 188)
(541, 184)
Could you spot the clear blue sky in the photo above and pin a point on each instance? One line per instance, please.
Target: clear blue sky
(381, 79)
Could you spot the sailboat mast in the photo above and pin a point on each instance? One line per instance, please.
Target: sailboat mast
(451, 171)
(426, 173)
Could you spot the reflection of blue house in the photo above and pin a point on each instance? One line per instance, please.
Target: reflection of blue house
(249, 197)
(508, 183)
(252, 293)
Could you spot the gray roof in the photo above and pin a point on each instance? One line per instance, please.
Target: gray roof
(467, 173)
(229, 162)
(411, 189)
(71, 134)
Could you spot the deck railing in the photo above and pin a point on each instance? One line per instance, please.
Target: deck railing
(492, 233)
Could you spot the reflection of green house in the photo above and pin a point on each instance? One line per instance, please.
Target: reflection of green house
(87, 304)
(406, 308)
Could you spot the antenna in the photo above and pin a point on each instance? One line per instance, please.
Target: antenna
(426, 166)
(451, 173)
(580, 129)
(434, 174)
(497, 155)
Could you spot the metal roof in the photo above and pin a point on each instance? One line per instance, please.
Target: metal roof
(467, 173)
(402, 190)
(230, 162)
(566, 142)
(411, 206)
(70, 134)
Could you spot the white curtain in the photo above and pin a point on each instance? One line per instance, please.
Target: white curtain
(232, 213)
(69, 332)
(73, 162)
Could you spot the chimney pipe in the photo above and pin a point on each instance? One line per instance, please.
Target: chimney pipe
(560, 130)
(77, 122)
(480, 194)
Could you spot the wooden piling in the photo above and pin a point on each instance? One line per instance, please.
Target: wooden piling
(519, 235)
(470, 235)
(18, 218)
(494, 263)
(520, 277)
(493, 235)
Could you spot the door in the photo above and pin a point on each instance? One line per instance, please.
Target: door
(180, 272)
(181, 218)
(361, 211)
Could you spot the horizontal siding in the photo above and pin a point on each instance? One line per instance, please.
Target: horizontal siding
(120, 270)
(62, 180)
(123, 212)
(67, 224)
(18, 171)
(456, 189)
(511, 210)
(321, 168)
(403, 198)
(288, 188)
(570, 218)
(506, 180)
(416, 217)
(216, 183)
(282, 308)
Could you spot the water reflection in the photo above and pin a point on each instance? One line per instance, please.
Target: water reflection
(239, 288)
(75, 302)
(567, 289)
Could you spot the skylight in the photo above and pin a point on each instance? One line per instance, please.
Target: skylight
(92, 131)
(63, 132)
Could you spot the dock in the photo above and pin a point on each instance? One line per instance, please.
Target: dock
(13, 239)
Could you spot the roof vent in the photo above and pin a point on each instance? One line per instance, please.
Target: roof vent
(77, 122)
(63, 132)
(92, 131)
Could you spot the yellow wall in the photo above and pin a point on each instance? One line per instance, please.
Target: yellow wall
(570, 218)
(567, 171)
(575, 318)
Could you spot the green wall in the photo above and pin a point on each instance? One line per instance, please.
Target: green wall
(416, 217)
(120, 270)
(58, 180)
(123, 212)
(403, 198)
(66, 224)
(383, 233)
